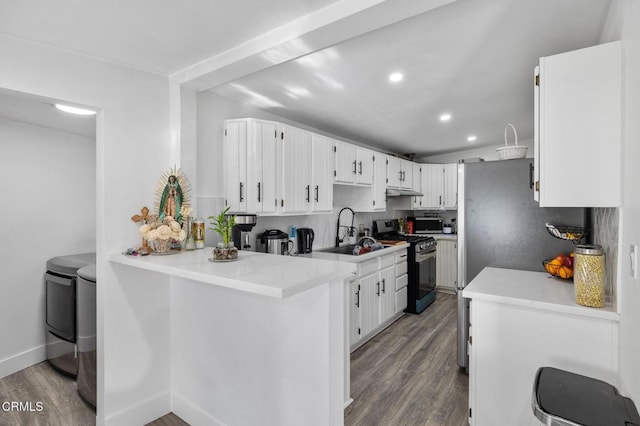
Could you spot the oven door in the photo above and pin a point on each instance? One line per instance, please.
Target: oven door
(426, 277)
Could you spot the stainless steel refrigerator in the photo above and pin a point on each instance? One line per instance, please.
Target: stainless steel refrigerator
(500, 225)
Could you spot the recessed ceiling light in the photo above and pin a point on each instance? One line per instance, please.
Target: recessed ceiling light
(472, 138)
(445, 117)
(74, 110)
(396, 77)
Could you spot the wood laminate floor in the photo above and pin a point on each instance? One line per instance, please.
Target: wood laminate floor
(61, 404)
(406, 375)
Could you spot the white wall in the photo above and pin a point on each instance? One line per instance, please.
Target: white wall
(49, 209)
(133, 150)
(488, 153)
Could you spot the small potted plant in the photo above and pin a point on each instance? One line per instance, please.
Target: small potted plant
(222, 224)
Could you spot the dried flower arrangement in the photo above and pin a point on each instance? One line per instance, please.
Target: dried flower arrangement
(163, 234)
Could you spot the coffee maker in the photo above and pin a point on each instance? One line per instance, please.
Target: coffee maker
(240, 231)
(305, 238)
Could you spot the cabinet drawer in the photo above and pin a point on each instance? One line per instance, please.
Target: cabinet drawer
(401, 256)
(386, 261)
(402, 282)
(401, 268)
(401, 300)
(366, 268)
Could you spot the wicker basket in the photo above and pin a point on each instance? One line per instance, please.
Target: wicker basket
(510, 152)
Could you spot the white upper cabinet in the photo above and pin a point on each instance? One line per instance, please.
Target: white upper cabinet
(346, 165)
(235, 165)
(262, 166)
(416, 202)
(450, 191)
(394, 172)
(379, 181)
(439, 187)
(353, 164)
(399, 173)
(296, 170)
(577, 142)
(406, 168)
(432, 186)
(364, 160)
(321, 173)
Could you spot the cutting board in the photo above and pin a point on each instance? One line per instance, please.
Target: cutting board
(391, 242)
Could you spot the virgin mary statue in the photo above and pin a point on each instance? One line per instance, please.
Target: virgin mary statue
(171, 200)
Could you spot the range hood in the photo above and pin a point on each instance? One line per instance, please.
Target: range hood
(395, 192)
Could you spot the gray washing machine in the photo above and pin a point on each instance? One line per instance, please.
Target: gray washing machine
(86, 333)
(61, 317)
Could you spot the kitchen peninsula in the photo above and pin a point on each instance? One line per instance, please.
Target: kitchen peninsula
(523, 320)
(260, 340)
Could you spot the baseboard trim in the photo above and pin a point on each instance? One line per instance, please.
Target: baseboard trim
(143, 412)
(20, 361)
(348, 403)
(190, 413)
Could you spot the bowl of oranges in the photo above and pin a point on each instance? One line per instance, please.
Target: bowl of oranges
(560, 266)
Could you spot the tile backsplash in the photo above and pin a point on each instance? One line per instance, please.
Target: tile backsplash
(605, 233)
(324, 225)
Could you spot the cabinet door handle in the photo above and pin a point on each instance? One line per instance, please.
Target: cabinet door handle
(440, 200)
(308, 193)
(378, 290)
(241, 192)
(259, 192)
(360, 167)
(403, 255)
(400, 175)
(358, 297)
(384, 285)
(354, 166)
(530, 175)
(317, 193)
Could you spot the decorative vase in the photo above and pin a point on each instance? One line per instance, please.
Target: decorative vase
(190, 243)
(225, 252)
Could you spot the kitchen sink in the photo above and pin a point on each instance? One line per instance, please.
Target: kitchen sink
(348, 249)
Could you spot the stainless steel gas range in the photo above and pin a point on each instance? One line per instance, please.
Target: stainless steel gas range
(421, 261)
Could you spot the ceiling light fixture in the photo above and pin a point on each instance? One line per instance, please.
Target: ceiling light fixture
(396, 77)
(472, 138)
(445, 117)
(74, 110)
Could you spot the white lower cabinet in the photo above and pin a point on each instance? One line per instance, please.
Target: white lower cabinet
(378, 296)
(509, 342)
(402, 281)
(447, 264)
(387, 293)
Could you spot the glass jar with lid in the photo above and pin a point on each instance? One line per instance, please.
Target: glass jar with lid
(588, 278)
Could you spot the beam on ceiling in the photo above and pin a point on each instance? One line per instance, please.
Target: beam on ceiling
(333, 24)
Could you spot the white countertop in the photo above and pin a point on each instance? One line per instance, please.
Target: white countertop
(318, 254)
(531, 289)
(450, 237)
(259, 273)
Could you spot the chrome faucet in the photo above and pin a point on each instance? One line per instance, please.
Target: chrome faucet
(350, 229)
